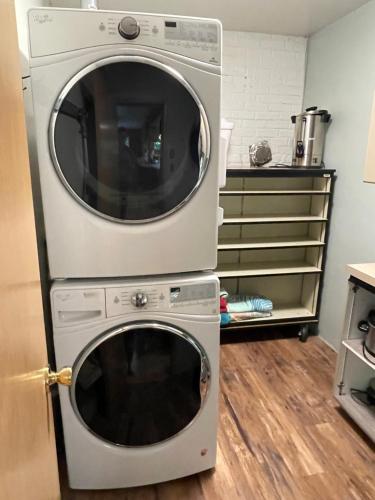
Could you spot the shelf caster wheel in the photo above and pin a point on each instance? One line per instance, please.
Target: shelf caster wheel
(303, 334)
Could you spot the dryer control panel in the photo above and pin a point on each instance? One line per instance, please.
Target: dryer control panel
(55, 31)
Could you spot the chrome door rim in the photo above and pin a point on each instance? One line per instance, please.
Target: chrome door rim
(204, 134)
(205, 377)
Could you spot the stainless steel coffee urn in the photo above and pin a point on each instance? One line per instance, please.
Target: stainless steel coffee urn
(309, 135)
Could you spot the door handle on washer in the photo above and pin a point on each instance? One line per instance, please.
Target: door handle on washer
(204, 379)
(220, 216)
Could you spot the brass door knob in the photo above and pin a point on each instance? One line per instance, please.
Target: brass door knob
(63, 376)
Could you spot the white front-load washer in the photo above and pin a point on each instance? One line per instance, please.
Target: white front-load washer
(143, 404)
(127, 124)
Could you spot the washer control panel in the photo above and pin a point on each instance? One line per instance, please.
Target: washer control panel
(75, 304)
(55, 31)
(194, 298)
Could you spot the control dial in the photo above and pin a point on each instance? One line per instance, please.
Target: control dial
(129, 28)
(139, 299)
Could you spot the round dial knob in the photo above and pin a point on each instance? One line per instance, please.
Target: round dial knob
(129, 28)
(139, 299)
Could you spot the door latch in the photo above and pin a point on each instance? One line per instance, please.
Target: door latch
(63, 376)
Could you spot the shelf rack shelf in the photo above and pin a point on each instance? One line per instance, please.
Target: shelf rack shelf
(354, 370)
(273, 218)
(363, 416)
(356, 347)
(270, 242)
(246, 269)
(274, 192)
(282, 314)
(273, 240)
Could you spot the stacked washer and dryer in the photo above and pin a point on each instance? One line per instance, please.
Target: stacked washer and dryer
(127, 128)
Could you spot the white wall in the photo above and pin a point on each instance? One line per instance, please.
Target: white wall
(263, 80)
(341, 78)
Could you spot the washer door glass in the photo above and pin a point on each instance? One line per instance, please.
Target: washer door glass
(130, 139)
(140, 384)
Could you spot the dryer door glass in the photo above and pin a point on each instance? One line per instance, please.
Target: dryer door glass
(129, 139)
(140, 384)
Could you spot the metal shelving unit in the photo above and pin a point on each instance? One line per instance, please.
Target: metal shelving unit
(273, 238)
(354, 370)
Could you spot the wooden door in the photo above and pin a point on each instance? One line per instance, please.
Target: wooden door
(28, 464)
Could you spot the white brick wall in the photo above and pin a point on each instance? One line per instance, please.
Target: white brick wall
(263, 81)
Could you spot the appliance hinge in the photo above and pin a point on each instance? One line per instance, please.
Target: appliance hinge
(341, 387)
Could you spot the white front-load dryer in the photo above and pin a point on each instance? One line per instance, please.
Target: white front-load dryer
(127, 122)
(143, 404)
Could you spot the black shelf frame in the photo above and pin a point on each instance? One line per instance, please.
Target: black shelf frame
(282, 172)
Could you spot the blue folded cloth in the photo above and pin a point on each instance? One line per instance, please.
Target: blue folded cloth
(225, 319)
(248, 303)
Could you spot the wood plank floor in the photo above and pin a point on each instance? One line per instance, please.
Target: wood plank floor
(281, 433)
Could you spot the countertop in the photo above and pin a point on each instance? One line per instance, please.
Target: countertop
(364, 272)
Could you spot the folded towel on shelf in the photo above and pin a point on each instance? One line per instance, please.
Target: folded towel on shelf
(248, 303)
(225, 318)
(223, 305)
(245, 316)
(237, 308)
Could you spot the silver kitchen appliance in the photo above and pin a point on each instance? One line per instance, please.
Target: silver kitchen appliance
(368, 327)
(309, 136)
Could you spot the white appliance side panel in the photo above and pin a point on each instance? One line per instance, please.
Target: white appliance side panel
(185, 241)
(54, 31)
(94, 464)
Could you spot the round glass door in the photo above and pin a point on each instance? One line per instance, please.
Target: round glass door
(140, 384)
(129, 139)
